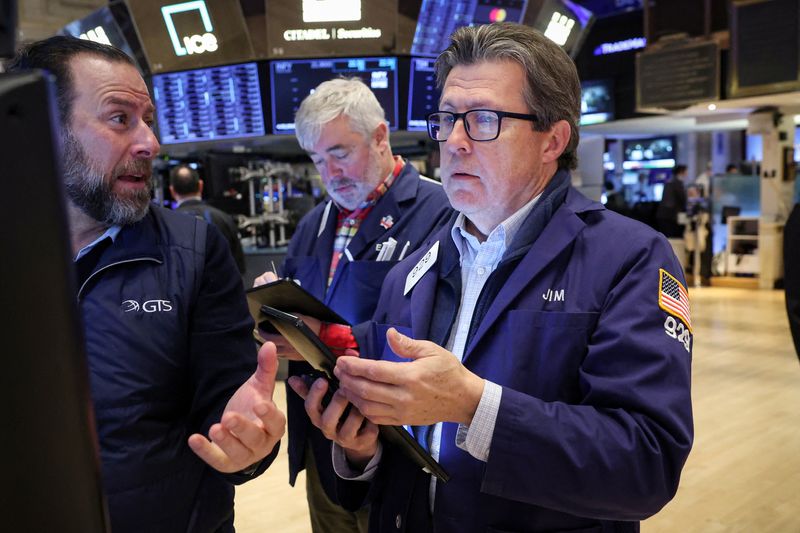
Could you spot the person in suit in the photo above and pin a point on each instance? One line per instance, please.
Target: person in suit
(539, 345)
(186, 188)
(673, 201)
(342, 251)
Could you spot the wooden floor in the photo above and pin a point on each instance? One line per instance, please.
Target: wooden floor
(743, 474)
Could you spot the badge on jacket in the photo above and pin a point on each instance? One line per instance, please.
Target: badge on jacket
(387, 222)
(425, 264)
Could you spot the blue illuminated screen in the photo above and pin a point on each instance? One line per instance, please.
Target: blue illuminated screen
(209, 104)
(423, 95)
(439, 18)
(292, 80)
(597, 102)
(655, 153)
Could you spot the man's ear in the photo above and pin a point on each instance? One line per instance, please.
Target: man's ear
(558, 137)
(200, 187)
(381, 136)
(172, 192)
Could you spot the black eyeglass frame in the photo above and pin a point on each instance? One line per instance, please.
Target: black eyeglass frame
(463, 116)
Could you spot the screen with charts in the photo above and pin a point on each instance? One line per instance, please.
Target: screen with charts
(423, 95)
(292, 80)
(439, 18)
(209, 104)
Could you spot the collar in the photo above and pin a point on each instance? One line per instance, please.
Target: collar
(505, 231)
(110, 233)
(187, 199)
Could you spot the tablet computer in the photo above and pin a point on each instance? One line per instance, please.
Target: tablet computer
(319, 356)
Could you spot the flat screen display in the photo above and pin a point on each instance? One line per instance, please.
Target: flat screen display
(597, 102)
(184, 35)
(292, 80)
(438, 19)
(331, 28)
(655, 153)
(423, 95)
(209, 104)
(98, 26)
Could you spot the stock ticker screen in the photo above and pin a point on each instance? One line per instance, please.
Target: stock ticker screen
(423, 95)
(292, 80)
(209, 104)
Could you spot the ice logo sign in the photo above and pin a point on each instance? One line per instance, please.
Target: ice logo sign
(190, 44)
(559, 28)
(331, 10)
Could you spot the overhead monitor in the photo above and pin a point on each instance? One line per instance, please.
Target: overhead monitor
(597, 102)
(330, 28)
(653, 153)
(292, 80)
(437, 20)
(563, 21)
(98, 26)
(423, 95)
(209, 104)
(194, 34)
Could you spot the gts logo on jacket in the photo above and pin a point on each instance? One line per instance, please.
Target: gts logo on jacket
(150, 306)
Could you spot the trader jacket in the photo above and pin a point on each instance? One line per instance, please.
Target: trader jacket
(169, 340)
(410, 210)
(595, 420)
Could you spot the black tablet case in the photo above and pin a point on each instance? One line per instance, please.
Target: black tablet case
(275, 302)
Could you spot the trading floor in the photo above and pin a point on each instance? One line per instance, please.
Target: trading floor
(744, 471)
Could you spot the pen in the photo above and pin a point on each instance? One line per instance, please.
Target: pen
(403, 251)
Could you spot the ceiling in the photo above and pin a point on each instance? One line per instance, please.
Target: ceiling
(729, 114)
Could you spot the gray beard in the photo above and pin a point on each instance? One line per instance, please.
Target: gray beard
(86, 187)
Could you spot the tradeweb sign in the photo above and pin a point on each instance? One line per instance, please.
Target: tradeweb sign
(190, 44)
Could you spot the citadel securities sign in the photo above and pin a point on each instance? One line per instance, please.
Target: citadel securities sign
(323, 34)
(320, 28)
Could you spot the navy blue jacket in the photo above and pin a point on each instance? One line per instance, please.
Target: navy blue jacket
(168, 338)
(412, 208)
(595, 421)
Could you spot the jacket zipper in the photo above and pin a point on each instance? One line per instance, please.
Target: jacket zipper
(106, 267)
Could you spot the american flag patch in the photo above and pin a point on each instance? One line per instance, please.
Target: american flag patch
(672, 297)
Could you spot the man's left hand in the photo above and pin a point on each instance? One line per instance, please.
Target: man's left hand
(433, 387)
(251, 424)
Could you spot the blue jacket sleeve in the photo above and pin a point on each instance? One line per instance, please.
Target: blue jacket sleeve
(222, 353)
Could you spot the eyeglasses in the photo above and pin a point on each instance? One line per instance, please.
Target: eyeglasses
(480, 124)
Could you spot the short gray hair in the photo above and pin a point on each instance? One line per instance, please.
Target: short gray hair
(552, 88)
(342, 96)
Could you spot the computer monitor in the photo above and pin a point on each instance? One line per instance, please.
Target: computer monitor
(195, 34)
(597, 101)
(49, 452)
(292, 80)
(437, 20)
(100, 26)
(423, 95)
(653, 153)
(210, 104)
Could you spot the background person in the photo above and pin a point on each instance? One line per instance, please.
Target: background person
(337, 252)
(551, 375)
(673, 201)
(167, 329)
(186, 188)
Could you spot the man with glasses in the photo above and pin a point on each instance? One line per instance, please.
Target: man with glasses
(540, 345)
